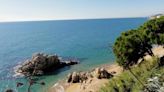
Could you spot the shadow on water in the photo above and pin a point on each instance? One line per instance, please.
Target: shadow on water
(57, 71)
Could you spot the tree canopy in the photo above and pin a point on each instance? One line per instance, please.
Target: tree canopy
(134, 44)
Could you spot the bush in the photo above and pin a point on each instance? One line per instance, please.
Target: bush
(126, 82)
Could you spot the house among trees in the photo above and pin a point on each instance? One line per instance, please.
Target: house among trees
(156, 16)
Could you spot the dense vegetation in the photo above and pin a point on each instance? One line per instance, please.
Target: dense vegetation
(134, 44)
(126, 82)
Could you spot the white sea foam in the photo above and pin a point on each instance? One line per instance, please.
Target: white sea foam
(17, 74)
(58, 88)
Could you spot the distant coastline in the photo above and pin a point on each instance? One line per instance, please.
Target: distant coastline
(46, 20)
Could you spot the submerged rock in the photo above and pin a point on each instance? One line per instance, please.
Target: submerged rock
(9, 90)
(41, 63)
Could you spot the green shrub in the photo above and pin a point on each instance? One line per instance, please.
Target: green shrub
(126, 82)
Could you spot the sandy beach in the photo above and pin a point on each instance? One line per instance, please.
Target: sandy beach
(94, 84)
(91, 85)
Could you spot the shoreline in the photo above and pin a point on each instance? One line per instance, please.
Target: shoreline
(94, 83)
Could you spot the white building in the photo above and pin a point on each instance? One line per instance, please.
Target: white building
(156, 16)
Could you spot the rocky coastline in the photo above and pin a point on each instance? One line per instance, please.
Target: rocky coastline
(41, 64)
(93, 80)
(80, 77)
(87, 81)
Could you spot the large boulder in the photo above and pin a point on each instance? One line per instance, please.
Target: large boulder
(104, 74)
(75, 77)
(69, 77)
(83, 76)
(96, 72)
(41, 63)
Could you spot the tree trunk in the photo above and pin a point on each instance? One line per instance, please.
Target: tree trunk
(135, 76)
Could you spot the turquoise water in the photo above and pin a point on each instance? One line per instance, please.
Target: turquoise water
(87, 40)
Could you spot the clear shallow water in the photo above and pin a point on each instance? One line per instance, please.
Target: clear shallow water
(88, 40)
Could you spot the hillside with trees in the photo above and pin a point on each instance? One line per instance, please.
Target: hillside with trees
(135, 44)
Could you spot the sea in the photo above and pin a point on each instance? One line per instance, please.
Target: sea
(89, 40)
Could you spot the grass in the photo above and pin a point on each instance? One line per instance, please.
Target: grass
(126, 82)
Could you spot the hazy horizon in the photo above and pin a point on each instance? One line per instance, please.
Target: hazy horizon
(30, 10)
(43, 20)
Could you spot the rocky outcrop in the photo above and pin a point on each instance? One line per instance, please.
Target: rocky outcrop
(41, 63)
(80, 77)
(102, 73)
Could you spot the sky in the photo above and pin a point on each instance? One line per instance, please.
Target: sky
(30, 10)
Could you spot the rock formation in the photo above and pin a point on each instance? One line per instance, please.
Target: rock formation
(41, 63)
(80, 77)
(102, 73)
